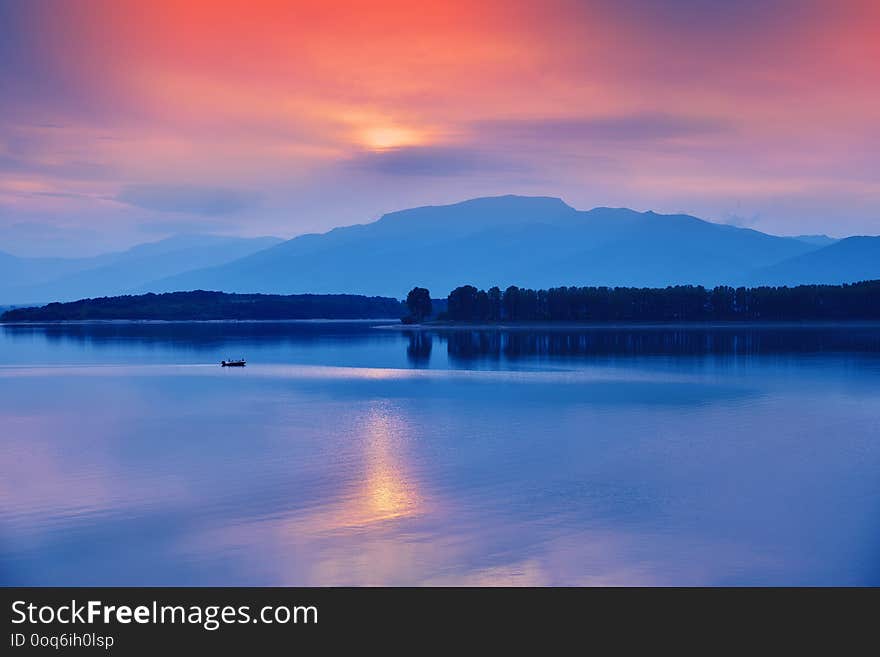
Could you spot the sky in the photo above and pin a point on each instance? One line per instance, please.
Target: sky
(124, 121)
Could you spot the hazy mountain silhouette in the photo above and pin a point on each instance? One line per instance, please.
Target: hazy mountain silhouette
(529, 241)
(818, 240)
(24, 280)
(17, 271)
(533, 241)
(845, 261)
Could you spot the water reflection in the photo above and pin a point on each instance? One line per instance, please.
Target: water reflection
(387, 490)
(362, 344)
(358, 532)
(418, 349)
(364, 456)
(190, 335)
(464, 345)
(353, 343)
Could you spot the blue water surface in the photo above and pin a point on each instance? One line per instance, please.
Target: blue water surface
(348, 453)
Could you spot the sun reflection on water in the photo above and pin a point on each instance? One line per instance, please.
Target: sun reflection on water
(388, 489)
(368, 529)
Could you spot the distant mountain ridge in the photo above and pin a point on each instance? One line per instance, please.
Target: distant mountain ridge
(24, 280)
(818, 240)
(530, 241)
(847, 260)
(537, 242)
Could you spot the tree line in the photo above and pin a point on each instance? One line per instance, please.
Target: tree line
(204, 305)
(674, 303)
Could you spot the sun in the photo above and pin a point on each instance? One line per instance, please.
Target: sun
(382, 137)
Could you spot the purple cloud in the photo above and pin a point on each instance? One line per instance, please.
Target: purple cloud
(188, 199)
(440, 161)
(647, 127)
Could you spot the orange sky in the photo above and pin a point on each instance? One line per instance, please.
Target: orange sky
(125, 121)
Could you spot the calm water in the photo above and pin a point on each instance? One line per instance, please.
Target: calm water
(348, 454)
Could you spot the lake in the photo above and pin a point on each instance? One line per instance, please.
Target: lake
(346, 454)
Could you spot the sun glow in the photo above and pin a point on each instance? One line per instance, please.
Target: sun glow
(389, 136)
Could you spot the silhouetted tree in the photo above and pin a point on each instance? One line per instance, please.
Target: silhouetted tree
(510, 302)
(481, 310)
(418, 301)
(463, 303)
(494, 295)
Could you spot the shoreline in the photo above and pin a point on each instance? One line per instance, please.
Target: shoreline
(231, 320)
(396, 325)
(633, 324)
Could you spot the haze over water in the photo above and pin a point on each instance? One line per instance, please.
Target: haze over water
(345, 454)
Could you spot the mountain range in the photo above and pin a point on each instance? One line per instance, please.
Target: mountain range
(536, 242)
(27, 280)
(526, 241)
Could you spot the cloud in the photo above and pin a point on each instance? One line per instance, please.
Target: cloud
(437, 161)
(645, 127)
(62, 195)
(73, 170)
(188, 199)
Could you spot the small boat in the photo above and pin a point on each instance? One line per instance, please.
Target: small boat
(232, 363)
